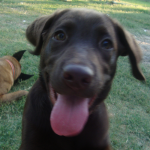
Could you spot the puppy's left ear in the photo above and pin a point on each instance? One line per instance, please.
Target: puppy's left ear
(128, 46)
(40, 27)
(19, 55)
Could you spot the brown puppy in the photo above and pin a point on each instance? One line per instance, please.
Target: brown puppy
(79, 49)
(10, 72)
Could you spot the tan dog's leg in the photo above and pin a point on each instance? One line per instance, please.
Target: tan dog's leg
(12, 96)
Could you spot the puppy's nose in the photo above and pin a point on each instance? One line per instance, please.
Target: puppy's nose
(77, 76)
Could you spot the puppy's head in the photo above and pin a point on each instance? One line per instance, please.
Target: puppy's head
(79, 49)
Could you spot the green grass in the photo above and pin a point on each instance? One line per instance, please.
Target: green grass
(129, 106)
(129, 100)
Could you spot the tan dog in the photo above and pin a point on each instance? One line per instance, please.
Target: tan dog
(10, 72)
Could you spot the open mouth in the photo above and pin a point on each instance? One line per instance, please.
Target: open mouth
(69, 113)
(54, 96)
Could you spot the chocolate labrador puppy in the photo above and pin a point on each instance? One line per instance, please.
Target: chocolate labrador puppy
(65, 108)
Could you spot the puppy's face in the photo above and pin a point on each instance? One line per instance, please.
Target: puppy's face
(78, 62)
(79, 54)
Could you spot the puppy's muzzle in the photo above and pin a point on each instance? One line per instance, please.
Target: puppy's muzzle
(77, 76)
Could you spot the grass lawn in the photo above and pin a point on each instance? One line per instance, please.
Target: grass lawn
(129, 100)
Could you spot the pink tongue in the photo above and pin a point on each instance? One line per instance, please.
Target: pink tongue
(69, 115)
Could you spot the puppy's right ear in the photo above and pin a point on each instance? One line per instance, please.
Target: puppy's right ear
(38, 27)
(128, 46)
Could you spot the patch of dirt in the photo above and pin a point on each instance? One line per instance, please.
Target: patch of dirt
(144, 42)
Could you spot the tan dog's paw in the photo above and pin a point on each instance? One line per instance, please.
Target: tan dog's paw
(13, 96)
(22, 93)
(25, 92)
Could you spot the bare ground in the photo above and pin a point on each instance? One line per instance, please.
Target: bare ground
(144, 42)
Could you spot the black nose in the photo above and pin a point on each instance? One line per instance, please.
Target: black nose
(77, 76)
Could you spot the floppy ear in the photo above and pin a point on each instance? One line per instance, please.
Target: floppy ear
(38, 27)
(128, 46)
(23, 77)
(19, 55)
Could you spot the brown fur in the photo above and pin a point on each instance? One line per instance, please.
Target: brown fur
(83, 47)
(7, 80)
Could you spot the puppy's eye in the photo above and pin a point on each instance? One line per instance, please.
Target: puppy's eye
(59, 36)
(106, 44)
